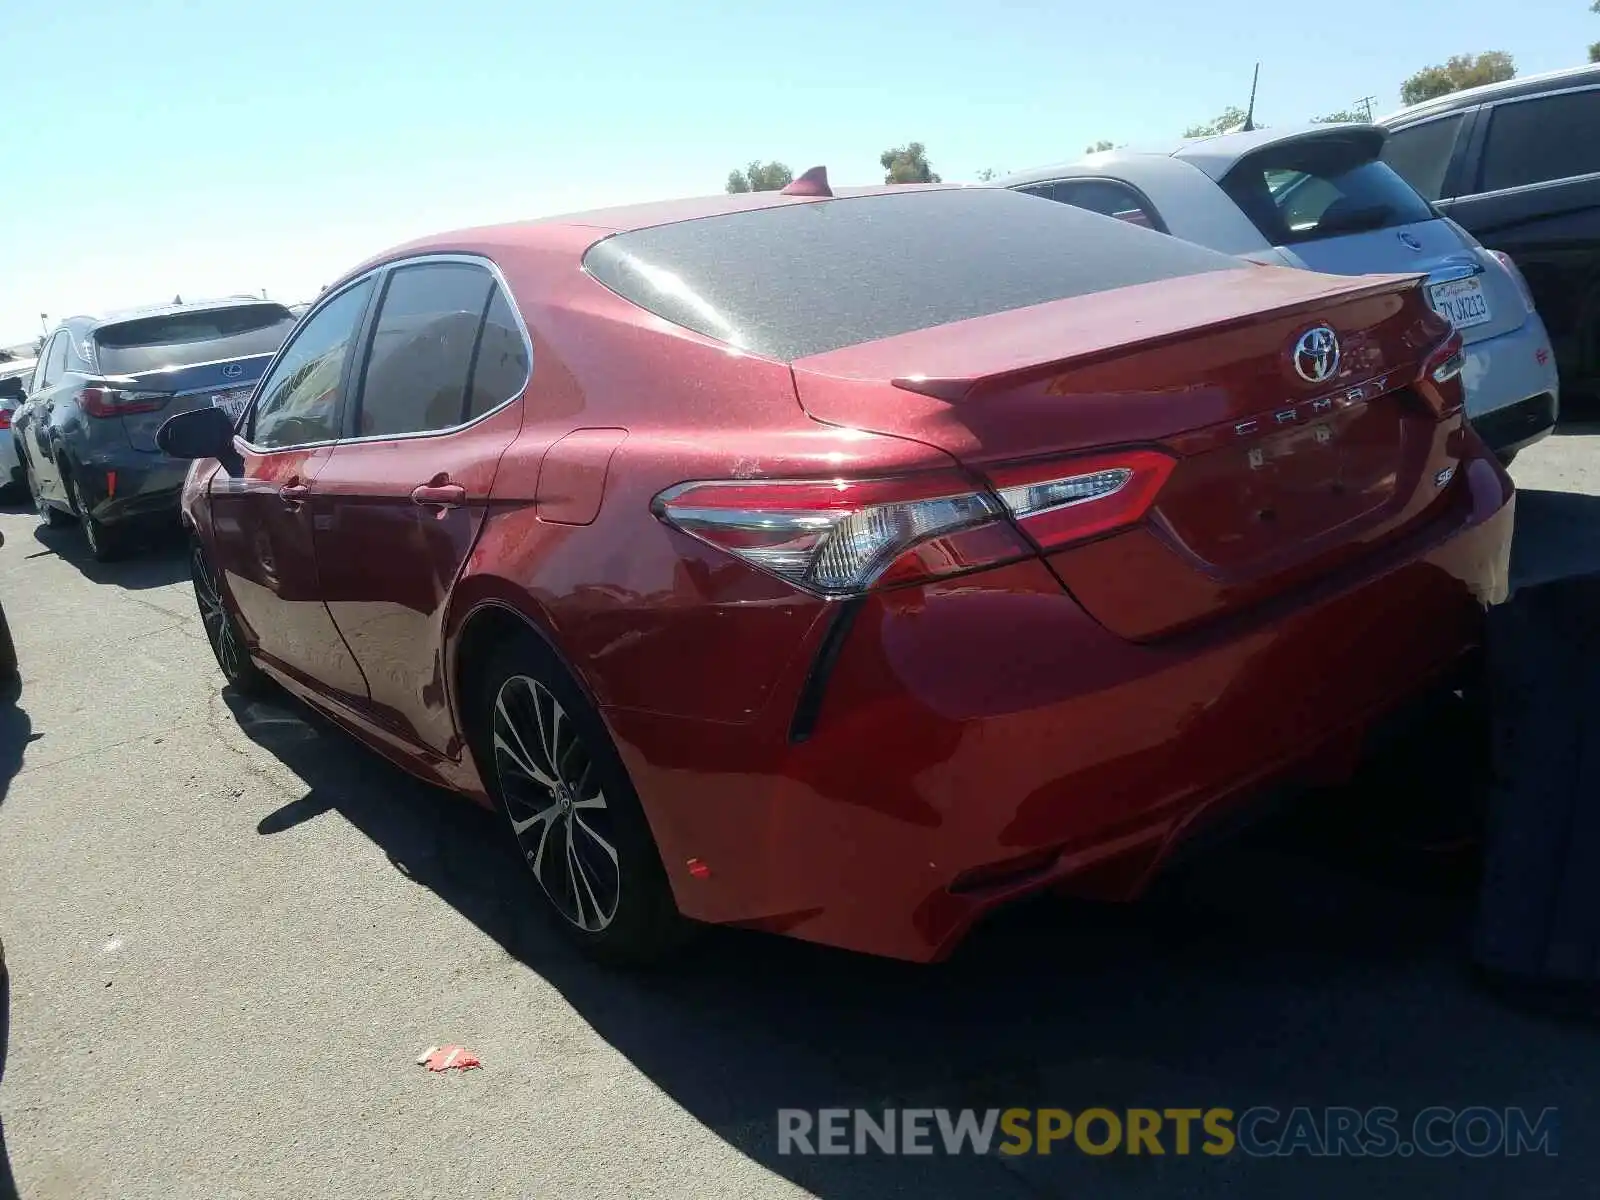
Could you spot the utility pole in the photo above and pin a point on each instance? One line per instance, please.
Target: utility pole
(1366, 104)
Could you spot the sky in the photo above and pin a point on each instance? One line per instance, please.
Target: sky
(201, 148)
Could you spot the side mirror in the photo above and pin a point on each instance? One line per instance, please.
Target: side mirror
(199, 433)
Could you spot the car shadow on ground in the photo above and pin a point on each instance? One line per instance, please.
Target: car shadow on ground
(1316, 960)
(151, 559)
(1558, 535)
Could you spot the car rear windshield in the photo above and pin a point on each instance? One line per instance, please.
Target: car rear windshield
(194, 336)
(801, 279)
(1322, 188)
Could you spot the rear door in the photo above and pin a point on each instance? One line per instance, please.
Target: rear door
(400, 502)
(261, 514)
(1534, 192)
(51, 386)
(1330, 204)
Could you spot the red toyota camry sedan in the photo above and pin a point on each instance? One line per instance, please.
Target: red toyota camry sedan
(845, 565)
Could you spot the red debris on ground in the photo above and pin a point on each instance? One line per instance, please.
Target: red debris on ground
(448, 1058)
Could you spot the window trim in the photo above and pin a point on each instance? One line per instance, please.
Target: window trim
(322, 302)
(369, 329)
(1157, 220)
(1482, 148)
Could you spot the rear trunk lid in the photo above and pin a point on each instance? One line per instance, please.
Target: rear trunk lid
(157, 366)
(1278, 478)
(1328, 203)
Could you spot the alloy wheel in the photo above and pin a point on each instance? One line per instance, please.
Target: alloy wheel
(554, 801)
(215, 618)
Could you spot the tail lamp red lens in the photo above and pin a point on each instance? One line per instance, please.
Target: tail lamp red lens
(109, 402)
(842, 537)
(1506, 261)
(1440, 381)
(5, 418)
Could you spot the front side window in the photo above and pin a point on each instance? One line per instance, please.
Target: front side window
(1322, 188)
(1534, 141)
(1421, 154)
(422, 349)
(301, 400)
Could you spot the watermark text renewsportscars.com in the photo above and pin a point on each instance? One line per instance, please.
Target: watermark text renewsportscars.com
(1262, 1131)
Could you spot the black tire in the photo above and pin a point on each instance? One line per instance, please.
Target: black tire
(624, 914)
(222, 631)
(105, 541)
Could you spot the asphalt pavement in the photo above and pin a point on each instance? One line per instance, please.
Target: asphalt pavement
(231, 932)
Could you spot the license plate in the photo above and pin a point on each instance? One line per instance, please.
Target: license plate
(232, 402)
(1462, 301)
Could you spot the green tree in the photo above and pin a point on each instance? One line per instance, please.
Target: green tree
(1102, 144)
(1229, 118)
(1594, 50)
(989, 175)
(1460, 71)
(1344, 114)
(907, 164)
(761, 177)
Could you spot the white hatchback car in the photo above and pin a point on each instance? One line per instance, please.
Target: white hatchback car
(14, 377)
(1320, 198)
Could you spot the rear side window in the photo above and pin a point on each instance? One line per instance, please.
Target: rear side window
(1108, 198)
(182, 339)
(801, 279)
(500, 370)
(422, 346)
(1328, 187)
(1533, 141)
(1421, 154)
(52, 362)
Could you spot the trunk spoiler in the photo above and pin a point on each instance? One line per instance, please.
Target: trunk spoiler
(1145, 316)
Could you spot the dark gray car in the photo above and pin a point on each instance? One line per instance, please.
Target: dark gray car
(86, 437)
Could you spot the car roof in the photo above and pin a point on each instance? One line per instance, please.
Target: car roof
(1527, 85)
(1215, 155)
(16, 366)
(603, 222)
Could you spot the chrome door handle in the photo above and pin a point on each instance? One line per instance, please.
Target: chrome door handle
(294, 494)
(443, 495)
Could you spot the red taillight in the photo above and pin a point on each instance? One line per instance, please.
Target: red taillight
(109, 402)
(1517, 276)
(5, 418)
(841, 537)
(1440, 381)
(1068, 500)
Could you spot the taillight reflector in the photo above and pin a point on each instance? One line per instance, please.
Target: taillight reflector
(5, 418)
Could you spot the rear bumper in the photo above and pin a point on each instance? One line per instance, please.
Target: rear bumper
(131, 486)
(1505, 373)
(975, 744)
